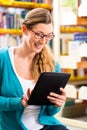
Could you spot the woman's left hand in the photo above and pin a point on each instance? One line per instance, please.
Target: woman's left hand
(58, 99)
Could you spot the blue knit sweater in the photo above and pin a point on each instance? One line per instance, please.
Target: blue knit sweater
(11, 109)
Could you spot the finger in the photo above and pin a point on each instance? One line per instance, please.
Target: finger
(57, 103)
(57, 96)
(28, 92)
(57, 100)
(24, 103)
(63, 91)
(25, 98)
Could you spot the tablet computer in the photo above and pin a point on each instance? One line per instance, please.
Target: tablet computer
(47, 82)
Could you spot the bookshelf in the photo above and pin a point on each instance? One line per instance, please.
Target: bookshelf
(26, 5)
(19, 5)
(66, 33)
(10, 19)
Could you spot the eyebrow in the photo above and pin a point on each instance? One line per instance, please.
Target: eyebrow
(43, 32)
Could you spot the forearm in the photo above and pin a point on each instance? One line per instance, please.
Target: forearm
(52, 110)
(10, 103)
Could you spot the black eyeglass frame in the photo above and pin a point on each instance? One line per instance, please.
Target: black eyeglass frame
(43, 35)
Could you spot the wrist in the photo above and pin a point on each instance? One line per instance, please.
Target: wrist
(23, 102)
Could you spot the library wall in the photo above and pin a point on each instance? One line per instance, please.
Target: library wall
(73, 33)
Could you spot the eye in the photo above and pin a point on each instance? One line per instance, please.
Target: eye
(40, 34)
(50, 35)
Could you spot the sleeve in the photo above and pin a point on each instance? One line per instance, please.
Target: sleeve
(0, 70)
(53, 110)
(7, 103)
(10, 104)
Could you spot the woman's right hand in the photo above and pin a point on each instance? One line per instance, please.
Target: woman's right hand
(25, 98)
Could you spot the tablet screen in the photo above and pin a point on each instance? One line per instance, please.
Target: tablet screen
(47, 82)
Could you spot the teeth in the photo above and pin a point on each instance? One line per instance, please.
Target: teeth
(36, 44)
(39, 46)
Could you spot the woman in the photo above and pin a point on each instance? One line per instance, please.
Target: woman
(20, 67)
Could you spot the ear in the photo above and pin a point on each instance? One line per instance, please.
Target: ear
(24, 28)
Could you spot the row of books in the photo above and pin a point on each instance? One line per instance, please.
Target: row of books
(9, 40)
(12, 40)
(80, 36)
(11, 18)
(37, 1)
(79, 73)
(79, 93)
(10, 21)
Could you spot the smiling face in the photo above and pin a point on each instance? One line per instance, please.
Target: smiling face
(32, 40)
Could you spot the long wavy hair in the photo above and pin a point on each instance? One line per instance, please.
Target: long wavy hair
(43, 61)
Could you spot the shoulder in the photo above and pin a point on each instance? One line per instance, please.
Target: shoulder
(3, 51)
(3, 54)
(57, 67)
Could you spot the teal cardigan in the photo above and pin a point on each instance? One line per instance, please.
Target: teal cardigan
(11, 109)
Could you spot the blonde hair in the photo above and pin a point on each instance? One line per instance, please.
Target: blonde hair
(43, 61)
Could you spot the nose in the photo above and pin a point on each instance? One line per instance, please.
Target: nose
(44, 40)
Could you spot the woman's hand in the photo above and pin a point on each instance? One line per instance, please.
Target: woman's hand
(24, 101)
(25, 98)
(58, 100)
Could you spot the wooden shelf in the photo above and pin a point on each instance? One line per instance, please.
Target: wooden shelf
(10, 31)
(78, 82)
(82, 64)
(78, 78)
(76, 124)
(18, 4)
(28, 5)
(73, 28)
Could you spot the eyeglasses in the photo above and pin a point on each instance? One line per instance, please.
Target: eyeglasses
(39, 35)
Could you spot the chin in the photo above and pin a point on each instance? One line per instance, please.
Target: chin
(38, 51)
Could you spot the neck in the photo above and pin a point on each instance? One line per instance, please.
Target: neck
(24, 53)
